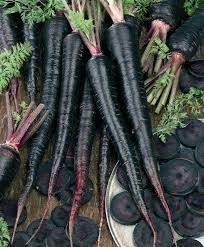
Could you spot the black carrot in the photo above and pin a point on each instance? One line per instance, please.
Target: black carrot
(122, 41)
(104, 158)
(16, 138)
(32, 67)
(98, 69)
(8, 32)
(183, 45)
(73, 70)
(165, 16)
(105, 94)
(83, 153)
(53, 33)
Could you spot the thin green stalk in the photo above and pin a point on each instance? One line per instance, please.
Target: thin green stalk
(156, 98)
(146, 53)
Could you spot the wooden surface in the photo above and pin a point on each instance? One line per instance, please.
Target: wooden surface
(36, 201)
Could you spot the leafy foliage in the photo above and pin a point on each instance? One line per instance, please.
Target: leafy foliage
(4, 233)
(175, 114)
(32, 10)
(17, 116)
(163, 81)
(161, 49)
(80, 23)
(140, 7)
(11, 62)
(191, 6)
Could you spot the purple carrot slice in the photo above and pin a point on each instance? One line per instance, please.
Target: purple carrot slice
(60, 215)
(176, 204)
(142, 234)
(179, 176)
(199, 153)
(85, 232)
(167, 150)
(190, 225)
(188, 242)
(192, 134)
(195, 203)
(57, 237)
(200, 187)
(123, 209)
(45, 230)
(188, 154)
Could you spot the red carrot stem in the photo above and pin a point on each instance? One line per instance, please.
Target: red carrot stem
(25, 115)
(9, 117)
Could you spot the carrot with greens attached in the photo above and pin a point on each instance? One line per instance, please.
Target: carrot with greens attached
(123, 43)
(104, 158)
(183, 45)
(53, 33)
(30, 34)
(165, 16)
(83, 152)
(16, 138)
(73, 70)
(101, 80)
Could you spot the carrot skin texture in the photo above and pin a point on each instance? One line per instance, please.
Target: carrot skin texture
(122, 41)
(104, 158)
(189, 35)
(73, 69)
(8, 32)
(87, 128)
(54, 32)
(9, 165)
(99, 73)
(30, 34)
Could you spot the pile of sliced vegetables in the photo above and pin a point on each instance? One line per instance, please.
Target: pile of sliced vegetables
(92, 70)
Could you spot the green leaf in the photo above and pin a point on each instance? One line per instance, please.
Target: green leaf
(160, 48)
(80, 23)
(32, 11)
(23, 105)
(191, 6)
(184, 105)
(16, 117)
(138, 8)
(4, 233)
(11, 62)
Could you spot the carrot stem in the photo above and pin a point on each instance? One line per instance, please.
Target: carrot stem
(9, 117)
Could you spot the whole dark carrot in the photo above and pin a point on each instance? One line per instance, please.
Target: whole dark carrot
(104, 158)
(32, 67)
(106, 94)
(73, 70)
(53, 33)
(122, 41)
(83, 153)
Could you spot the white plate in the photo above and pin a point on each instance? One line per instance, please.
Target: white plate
(122, 235)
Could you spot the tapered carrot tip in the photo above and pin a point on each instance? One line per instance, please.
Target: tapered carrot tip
(99, 234)
(20, 209)
(71, 231)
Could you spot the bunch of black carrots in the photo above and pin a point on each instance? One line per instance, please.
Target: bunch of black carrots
(82, 71)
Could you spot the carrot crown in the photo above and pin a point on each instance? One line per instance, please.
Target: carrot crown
(89, 28)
